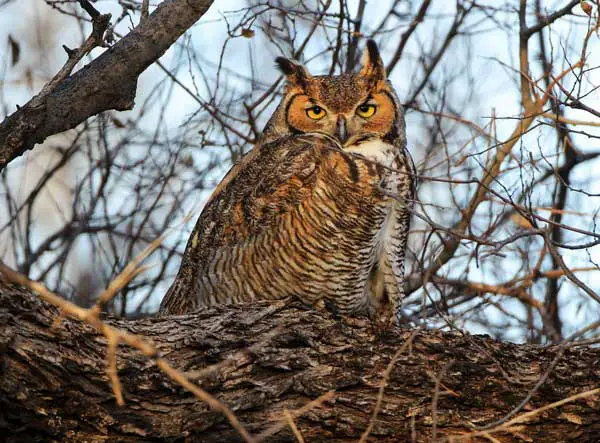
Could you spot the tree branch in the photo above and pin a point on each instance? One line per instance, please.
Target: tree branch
(108, 82)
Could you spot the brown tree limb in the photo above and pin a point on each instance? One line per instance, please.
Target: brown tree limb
(108, 82)
(262, 360)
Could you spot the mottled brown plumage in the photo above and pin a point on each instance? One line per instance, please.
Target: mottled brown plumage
(319, 208)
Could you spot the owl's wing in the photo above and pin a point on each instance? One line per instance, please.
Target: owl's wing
(301, 182)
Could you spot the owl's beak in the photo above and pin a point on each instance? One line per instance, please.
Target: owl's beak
(340, 129)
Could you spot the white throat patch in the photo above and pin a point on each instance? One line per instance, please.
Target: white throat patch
(374, 149)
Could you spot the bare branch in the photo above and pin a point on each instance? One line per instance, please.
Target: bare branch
(109, 82)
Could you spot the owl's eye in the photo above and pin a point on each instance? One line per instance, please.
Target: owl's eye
(316, 112)
(366, 110)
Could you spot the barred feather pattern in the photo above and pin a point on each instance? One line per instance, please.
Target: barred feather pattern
(302, 217)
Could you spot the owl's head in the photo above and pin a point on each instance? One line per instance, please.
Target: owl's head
(347, 106)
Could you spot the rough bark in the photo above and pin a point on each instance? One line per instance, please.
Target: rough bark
(108, 82)
(54, 385)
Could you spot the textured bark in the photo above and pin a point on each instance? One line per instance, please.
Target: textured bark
(54, 385)
(108, 82)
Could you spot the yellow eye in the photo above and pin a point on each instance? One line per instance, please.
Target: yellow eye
(366, 111)
(316, 112)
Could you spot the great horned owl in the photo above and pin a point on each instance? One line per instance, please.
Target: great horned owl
(318, 210)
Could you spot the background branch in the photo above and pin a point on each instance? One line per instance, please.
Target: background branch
(108, 82)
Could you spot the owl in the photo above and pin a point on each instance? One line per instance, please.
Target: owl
(318, 210)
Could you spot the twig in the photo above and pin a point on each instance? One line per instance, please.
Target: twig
(283, 422)
(89, 8)
(145, 13)
(293, 426)
(418, 18)
(125, 276)
(111, 369)
(569, 274)
(100, 23)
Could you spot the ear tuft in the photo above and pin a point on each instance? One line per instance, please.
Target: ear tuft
(373, 66)
(286, 66)
(296, 74)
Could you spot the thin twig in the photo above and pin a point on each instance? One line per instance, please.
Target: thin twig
(100, 23)
(293, 426)
(145, 13)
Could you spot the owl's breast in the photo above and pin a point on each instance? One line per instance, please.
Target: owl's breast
(383, 154)
(396, 186)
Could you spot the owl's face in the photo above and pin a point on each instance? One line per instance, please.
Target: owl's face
(343, 107)
(347, 106)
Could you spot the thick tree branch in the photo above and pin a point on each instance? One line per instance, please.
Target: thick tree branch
(261, 360)
(545, 20)
(108, 82)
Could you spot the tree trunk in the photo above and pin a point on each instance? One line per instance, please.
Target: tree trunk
(270, 357)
